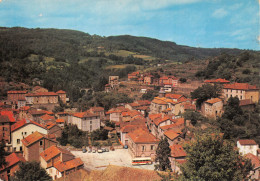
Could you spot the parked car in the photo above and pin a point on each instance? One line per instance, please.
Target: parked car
(125, 147)
(103, 149)
(89, 150)
(107, 150)
(93, 151)
(84, 150)
(100, 151)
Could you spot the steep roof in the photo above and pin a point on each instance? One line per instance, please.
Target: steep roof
(213, 100)
(158, 121)
(171, 134)
(247, 142)
(60, 92)
(159, 100)
(32, 138)
(11, 160)
(24, 122)
(60, 121)
(53, 151)
(173, 96)
(64, 166)
(177, 151)
(9, 114)
(142, 136)
(240, 86)
(254, 160)
(47, 117)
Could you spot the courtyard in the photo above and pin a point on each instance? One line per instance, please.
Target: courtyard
(99, 161)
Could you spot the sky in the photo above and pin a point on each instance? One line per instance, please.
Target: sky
(197, 23)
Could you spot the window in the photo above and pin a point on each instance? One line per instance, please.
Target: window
(90, 122)
(241, 97)
(90, 127)
(40, 142)
(25, 133)
(143, 148)
(14, 148)
(152, 147)
(226, 95)
(3, 134)
(21, 148)
(22, 133)
(18, 141)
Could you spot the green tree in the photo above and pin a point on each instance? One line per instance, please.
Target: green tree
(150, 95)
(2, 154)
(205, 92)
(31, 171)
(210, 157)
(163, 152)
(193, 116)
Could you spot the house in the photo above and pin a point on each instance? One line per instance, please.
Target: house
(34, 144)
(62, 115)
(127, 129)
(170, 80)
(212, 108)
(113, 82)
(54, 129)
(46, 118)
(242, 91)
(60, 122)
(115, 114)
(142, 144)
(247, 146)
(23, 128)
(159, 104)
(53, 154)
(11, 167)
(42, 99)
(247, 104)
(85, 121)
(16, 95)
(174, 97)
(62, 95)
(255, 173)
(60, 169)
(173, 137)
(6, 120)
(98, 110)
(148, 79)
(178, 157)
(133, 76)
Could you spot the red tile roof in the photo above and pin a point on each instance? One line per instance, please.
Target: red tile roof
(85, 114)
(9, 114)
(50, 125)
(217, 81)
(166, 127)
(247, 142)
(177, 151)
(41, 94)
(155, 116)
(32, 138)
(144, 102)
(24, 122)
(60, 92)
(240, 86)
(12, 159)
(142, 136)
(53, 151)
(16, 92)
(25, 108)
(173, 96)
(158, 121)
(171, 134)
(179, 121)
(64, 166)
(47, 117)
(213, 100)
(254, 160)
(60, 121)
(129, 128)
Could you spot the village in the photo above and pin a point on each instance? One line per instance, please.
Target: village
(33, 130)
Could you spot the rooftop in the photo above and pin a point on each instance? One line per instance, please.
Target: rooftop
(142, 136)
(24, 122)
(53, 151)
(171, 134)
(32, 138)
(217, 81)
(177, 151)
(11, 160)
(247, 142)
(213, 100)
(64, 166)
(240, 86)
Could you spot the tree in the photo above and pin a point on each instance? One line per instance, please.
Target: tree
(2, 154)
(31, 171)
(210, 157)
(163, 153)
(206, 92)
(149, 95)
(192, 116)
